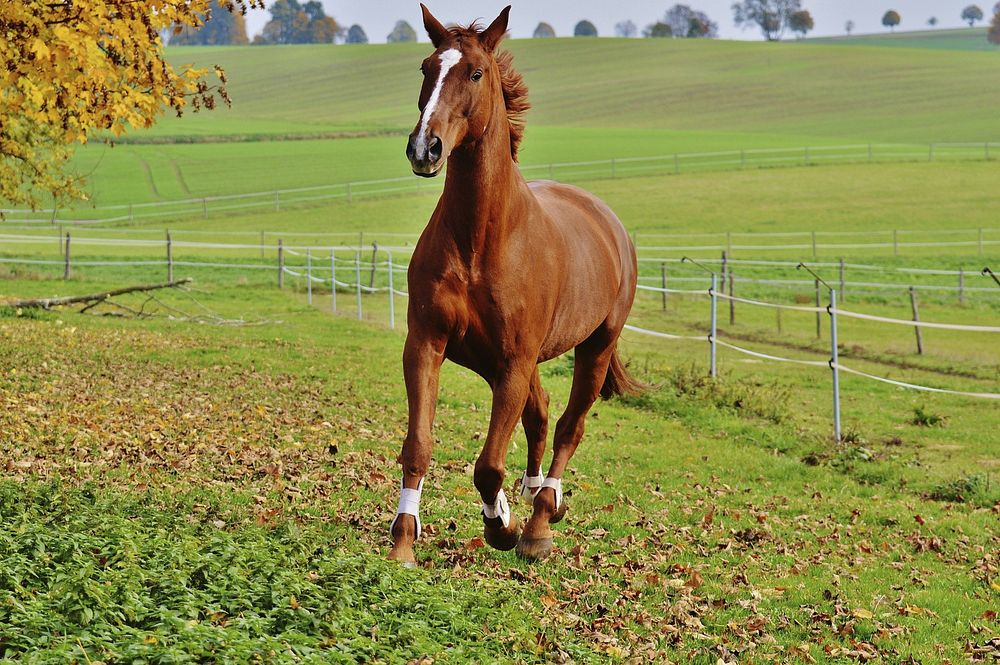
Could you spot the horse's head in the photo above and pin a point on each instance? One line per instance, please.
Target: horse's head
(461, 92)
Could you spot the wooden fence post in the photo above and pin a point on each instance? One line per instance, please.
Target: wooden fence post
(819, 321)
(961, 286)
(732, 303)
(916, 317)
(66, 269)
(841, 294)
(724, 270)
(281, 264)
(170, 258)
(663, 284)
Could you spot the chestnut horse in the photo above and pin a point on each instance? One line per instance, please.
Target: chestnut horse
(506, 275)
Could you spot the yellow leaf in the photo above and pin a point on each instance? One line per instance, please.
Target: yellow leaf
(863, 614)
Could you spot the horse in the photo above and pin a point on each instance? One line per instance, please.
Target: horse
(507, 274)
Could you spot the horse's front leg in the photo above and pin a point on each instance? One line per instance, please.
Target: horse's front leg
(422, 360)
(501, 529)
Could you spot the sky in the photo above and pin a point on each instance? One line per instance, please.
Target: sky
(378, 17)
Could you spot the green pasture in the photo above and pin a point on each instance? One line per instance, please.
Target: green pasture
(961, 39)
(183, 490)
(638, 98)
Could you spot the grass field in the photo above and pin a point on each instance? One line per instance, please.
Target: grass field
(668, 96)
(961, 39)
(214, 483)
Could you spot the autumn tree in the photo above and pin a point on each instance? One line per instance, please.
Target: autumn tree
(971, 14)
(401, 32)
(294, 23)
(73, 69)
(993, 34)
(687, 22)
(585, 29)
(356, 35)
(218, 27)
(544, 30)
(891, 19)
(771, 16)
(626, 29)
(658, 29)
(801, 22)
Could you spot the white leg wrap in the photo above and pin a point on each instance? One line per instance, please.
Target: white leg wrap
(530, 486)
(500, 508)
(409, 504)
(555, 484)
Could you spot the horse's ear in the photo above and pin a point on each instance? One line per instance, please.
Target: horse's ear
(492, 35)
(435, 30)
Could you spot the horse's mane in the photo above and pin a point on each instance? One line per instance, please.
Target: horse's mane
(515, 91)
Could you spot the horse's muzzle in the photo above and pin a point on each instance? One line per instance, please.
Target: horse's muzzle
(425, 156)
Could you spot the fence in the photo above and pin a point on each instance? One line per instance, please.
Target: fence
(833, 363)
(617, 167)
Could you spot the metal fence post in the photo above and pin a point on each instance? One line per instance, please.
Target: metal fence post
(281, 264)
(714, 325)
(732, 303)
(835, 364)
(814, 244)
(309, 275)
(961, 285)
(895, 242)
(357, 279)
(392, 299)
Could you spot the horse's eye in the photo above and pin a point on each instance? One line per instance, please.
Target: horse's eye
(478, 75)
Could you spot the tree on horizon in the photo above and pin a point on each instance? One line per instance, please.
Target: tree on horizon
(932, 21)
(221, 26)
(401, 32)
(626, 28)
(971, 14)
(801, 22)
(294, 23)
(658, 29)
(771, 16)
(585, 29)
(993, 34)
(891, 19)
(687, 22)
(356, 35)
(544, 30)
(849, 27)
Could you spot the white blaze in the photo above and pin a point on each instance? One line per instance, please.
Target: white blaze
(448, 60)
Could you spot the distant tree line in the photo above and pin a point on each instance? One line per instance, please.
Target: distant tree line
(293, 22)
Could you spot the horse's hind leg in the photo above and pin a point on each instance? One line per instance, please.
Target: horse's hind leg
(535, 420)
(593, 357)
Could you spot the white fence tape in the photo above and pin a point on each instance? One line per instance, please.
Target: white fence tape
(913, 386)
(663, 335)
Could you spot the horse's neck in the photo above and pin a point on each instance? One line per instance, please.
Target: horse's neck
(483, 185)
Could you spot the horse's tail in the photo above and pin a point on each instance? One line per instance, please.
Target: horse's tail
(619, 381)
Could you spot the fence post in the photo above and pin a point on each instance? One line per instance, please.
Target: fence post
(551, 175)
(333, 281)
(712, 330)
(729, 244)
(204, 208)
(677, 164)
(170, 258)
(814, 244)
(262, 244)
(663, 284)
(371, 278)
(66, 269)
(309, 276)
(59, 239)
(277, 201)
(778, 310)
(743, 159)
(281, 264)
(835, 364)
(819, 322)
(350, 196)
(724, 270)
(392, 299)
(986, 146)
(895, 242)
(357, 279)
(131, 218)
(732, 303)
(869, 153)
(614, 170)
(980, 242)
(916, 317)
(930, 152)
(841, 280)
(961, 285)
(807, 155)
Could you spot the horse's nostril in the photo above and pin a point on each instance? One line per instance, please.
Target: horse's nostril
(410, 150)
(434, 149)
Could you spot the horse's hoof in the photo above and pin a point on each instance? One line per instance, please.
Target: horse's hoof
(408, 564)
(559, 514)
(404, 555)
(500, 538)
(534, 549)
